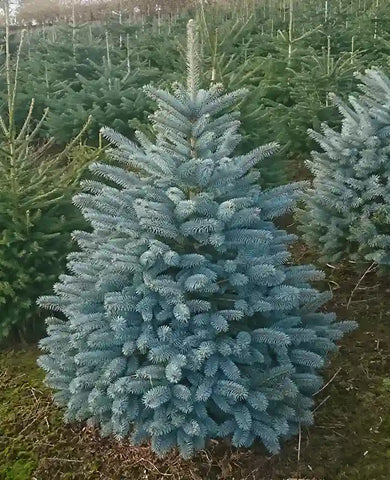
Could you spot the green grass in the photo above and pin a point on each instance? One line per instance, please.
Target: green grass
(349, 441)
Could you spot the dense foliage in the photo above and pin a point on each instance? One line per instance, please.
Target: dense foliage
(347, 211)
(288, 58)
(36, 219)
(185, 320)
(36, 214)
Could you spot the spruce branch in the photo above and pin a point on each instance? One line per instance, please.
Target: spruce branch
(27, 121)
(76, 139)
(193, 58)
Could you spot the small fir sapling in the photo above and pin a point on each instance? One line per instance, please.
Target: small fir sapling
(347, 211)
(36, 211)
(184, 319)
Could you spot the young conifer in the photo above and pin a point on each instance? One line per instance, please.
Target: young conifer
(36, 212)
(347, 211)
(184, 319)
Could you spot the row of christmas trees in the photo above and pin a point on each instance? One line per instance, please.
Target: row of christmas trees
(288, 54)
(346, 214)
(182, 318)
(354, 232)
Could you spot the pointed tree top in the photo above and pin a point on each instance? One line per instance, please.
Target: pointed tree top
(193, 58)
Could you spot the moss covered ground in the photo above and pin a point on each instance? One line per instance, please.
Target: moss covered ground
(349, 441)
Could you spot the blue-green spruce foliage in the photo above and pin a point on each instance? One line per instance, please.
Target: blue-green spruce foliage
(347, 211)
(184, 321)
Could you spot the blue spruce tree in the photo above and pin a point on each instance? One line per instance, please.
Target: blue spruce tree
(184, 320)
(347, 211)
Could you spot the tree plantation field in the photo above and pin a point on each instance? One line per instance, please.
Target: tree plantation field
(195, 240)
(99, 69)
